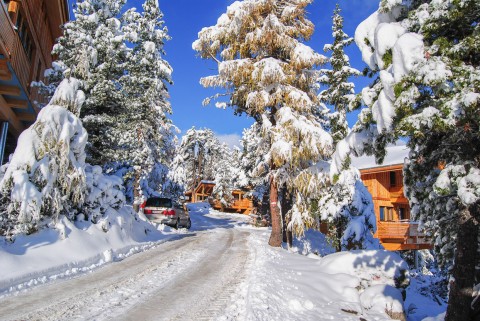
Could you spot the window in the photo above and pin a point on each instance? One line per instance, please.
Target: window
(389, 213)
(23, 33)
(159, 202)
(386, 213)
(403, 213)
(19, 23)
(393, 179)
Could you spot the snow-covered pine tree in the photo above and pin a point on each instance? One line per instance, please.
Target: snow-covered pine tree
(344, 204)
(93, 50)
(340, 90)
(126, 108)
(196, 158)
(144, 134)
(239, 176)
(224, 177)
(46, 174)
(267, 72)
(428, 90)
(254, 149)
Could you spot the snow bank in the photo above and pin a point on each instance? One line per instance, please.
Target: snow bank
(381, 298)
(372, 267)
(72, 248)
(342, 286)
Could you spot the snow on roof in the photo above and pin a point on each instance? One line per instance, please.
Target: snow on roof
(204, 181)
(395, 155)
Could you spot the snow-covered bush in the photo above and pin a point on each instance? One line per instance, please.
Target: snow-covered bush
(105, 192)
(345, 205)
(46, 174)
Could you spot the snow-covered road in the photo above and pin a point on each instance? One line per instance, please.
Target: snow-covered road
(192, 277)
(222, 269)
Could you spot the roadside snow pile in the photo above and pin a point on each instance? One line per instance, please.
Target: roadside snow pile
(341, 286)
(371, 267)
(382, 275)
(72, 248)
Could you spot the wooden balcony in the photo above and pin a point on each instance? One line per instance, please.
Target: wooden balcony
(14, 75)
(396, 236)
(243, 206)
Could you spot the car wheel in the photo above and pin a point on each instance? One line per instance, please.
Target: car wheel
(177, 224)
(189, 224)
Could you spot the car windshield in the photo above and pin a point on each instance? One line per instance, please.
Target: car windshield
(159, 202)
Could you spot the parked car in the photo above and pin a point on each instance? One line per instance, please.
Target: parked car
(166, 211)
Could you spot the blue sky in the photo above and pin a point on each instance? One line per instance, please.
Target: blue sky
(185, 18)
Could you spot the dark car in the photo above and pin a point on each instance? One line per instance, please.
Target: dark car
(166, 211)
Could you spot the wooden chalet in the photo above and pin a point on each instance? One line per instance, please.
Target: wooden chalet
(28, 30)
(203, 193)
(395, 230)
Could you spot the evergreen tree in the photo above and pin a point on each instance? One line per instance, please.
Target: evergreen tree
(268, 74)
(345, 202)
(143, 136)
(224, 177)
(427, 89)
(126, 108)
(93, 50)
(252, 160)
(340, 91)
(196, 158)
(46, 175)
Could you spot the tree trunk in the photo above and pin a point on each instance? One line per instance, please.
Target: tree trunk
(286, 202)
(276, 236)
(136, 191)
(265, 207)
(463, 271)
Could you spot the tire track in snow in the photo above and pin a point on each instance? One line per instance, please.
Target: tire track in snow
(110, 287)
(191, 278)
(205, 291)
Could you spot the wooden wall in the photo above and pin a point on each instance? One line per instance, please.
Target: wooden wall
(378, 183)
(28, 30)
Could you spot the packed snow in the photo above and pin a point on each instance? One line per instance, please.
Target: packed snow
(306, 282)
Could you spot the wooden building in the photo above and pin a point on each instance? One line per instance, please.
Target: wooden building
(203, 193)
(28, 30)
(395, 230)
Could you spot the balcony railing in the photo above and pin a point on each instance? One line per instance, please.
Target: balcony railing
(237, 205)
(403, 234)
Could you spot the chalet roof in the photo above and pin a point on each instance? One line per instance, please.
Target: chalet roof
(395, 156)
